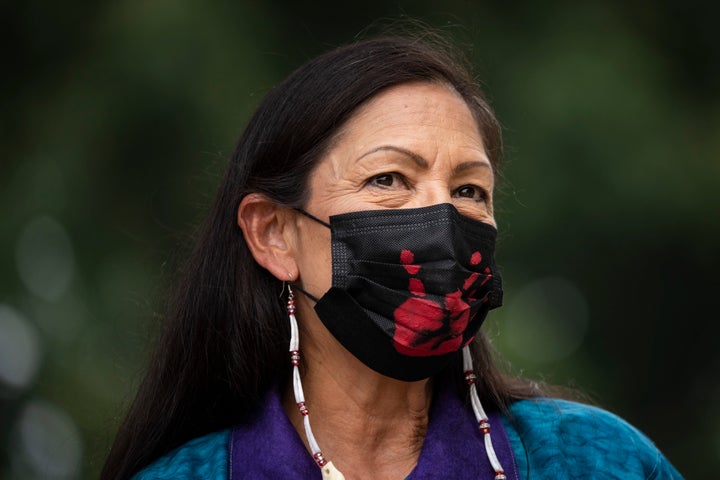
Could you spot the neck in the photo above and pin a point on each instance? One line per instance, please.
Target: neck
(369, 425)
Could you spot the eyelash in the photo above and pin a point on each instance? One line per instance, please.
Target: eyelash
(399, 177)
(393, 175)
(481, 192)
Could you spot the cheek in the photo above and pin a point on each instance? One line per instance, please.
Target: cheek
(340, 197)
(315, 261)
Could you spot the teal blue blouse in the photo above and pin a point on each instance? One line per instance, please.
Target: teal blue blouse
(551, 439)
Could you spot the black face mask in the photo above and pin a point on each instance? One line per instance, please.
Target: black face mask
(410, 287)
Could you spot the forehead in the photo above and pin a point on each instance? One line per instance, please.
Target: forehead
(411, 106)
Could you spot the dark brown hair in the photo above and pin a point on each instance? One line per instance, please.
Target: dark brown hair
(225, 340)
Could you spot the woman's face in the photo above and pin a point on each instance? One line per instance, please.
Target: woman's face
(413, 145)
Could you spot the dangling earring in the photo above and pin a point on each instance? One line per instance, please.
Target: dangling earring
(329, 472)
(482, 418)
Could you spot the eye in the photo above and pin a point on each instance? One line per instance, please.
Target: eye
(472, 192)
(387, 180)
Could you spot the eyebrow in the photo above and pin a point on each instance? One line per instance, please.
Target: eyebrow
(421, 162)
(467, 165)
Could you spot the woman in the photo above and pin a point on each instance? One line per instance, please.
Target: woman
(354, 229)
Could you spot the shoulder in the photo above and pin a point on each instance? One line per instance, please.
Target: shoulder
(561, 436)
(205, 457)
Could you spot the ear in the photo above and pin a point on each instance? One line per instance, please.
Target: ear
(269, 232)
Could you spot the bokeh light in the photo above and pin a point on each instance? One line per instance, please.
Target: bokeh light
(45, 258)
(20, 351)
(47, 444)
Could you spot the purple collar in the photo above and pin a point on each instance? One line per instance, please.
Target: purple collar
(268, 447)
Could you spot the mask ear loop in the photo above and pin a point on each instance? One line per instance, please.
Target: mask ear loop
(329, 472)
(309, 295)
(312, 217)
(315, 219)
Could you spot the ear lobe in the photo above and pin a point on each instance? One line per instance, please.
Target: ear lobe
(269, 232)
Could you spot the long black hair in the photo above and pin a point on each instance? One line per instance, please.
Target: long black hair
(224, 342)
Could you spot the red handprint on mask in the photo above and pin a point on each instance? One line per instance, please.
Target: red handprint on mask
(424, 327)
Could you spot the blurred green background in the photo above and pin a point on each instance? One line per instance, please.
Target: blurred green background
(117, 118)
